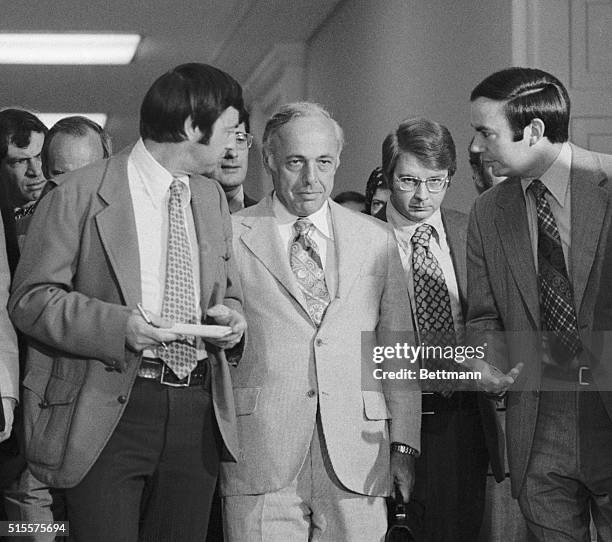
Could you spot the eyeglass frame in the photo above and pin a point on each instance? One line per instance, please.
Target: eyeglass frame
(248, 140)
(445, 182)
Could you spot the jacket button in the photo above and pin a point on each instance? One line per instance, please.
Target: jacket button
(319, 342)
(122, 399)
(311, 393)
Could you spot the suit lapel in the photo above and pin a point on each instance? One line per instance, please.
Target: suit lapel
(456, 236)
(117, 228)
(263, 240)
(588, 200)
(204, 209)
(513, 230)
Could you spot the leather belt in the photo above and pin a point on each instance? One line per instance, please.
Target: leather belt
(580, 375)
(156, 369)
(459, 400)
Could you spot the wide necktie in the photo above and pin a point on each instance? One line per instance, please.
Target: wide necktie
(433, 307)
(306, 265)
(179, 303)
(558, 314)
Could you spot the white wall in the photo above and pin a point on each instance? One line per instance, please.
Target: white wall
(376, 62)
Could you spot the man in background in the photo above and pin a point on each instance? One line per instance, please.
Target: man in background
(376, 193)
(233, 167)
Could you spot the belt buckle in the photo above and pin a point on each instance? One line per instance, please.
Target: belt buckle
(173, 384)
(581, 371)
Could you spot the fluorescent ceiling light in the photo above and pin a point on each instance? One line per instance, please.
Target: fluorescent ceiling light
(68, 48)
(49, 119)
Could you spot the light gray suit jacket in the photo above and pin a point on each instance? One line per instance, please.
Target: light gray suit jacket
(286, 357)
(503, 300)
(77, 282)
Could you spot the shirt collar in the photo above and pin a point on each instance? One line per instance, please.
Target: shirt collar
(236, 202)
(319, 218)
(154, 177)
(557, 177)
(406, 228)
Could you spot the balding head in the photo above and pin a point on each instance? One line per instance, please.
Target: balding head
(73, 143)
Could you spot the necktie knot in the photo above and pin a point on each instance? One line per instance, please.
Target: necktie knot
(538, 188)
(421, 236)
(303, 226)
(176, 189)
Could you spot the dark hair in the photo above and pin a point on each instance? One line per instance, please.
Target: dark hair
(76, 126)
(375, 181)
(349, 195)
(529, 94)
(16, 127)
(244, 116)
(430, 142)
(194, 90)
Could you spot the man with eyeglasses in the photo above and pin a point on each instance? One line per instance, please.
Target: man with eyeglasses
(232, 169)
(459, 431)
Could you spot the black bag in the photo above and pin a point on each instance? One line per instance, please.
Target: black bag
(399, 530)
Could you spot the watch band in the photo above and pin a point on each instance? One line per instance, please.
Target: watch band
(404, 449)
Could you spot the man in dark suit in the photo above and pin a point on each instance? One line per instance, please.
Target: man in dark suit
(459, 431)
(536, 249)
(130, 418)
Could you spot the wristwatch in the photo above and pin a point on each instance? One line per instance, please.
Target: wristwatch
(404, 449)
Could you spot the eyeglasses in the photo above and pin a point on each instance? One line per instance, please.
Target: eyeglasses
(406, 183)
(243, 140)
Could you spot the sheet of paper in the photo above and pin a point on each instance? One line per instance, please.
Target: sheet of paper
(204, 331)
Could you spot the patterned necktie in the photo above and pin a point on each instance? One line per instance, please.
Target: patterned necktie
(558, 314)
(179, 291)
(433, 308)
(306, 265)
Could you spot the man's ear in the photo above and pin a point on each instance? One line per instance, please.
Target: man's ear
(192, 132)
(535, 131)
(267, 160)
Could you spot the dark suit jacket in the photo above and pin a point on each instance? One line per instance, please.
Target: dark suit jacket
(504, 309)
(455, 225)
(76, 284)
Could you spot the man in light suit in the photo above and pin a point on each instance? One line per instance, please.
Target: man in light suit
(315, 431)
(460, 433)
(536, 249)
(130, 418)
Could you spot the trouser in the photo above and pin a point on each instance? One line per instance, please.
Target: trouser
(314, 507)
(569, 476)
(155, 478)
(447, 503)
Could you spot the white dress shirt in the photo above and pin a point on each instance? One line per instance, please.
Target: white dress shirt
(149, 184)
(404, 229)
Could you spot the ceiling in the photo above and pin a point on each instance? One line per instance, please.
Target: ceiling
(234, 35)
